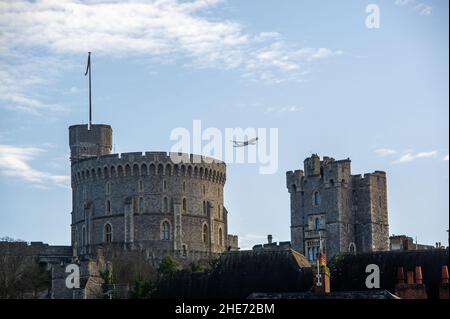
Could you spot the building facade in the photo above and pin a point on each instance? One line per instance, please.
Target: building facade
(145, 201)
(335, 210)
(403, 242)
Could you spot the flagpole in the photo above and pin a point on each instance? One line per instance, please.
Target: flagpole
(88, 69)
(90, 99)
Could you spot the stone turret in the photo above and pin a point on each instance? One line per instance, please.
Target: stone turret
(85, 143)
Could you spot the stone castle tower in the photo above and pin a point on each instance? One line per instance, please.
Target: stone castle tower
(347, 212)
(145, 201)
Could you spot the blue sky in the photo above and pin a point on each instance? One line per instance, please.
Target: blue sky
(312, 69)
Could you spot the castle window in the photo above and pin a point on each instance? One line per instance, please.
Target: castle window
(380, 202)
(352, 248)
(165, 231)
(316, 198)
(184, 205)
(107, 233)
(141, 204)
(172, 208)
(141, 186)
(204, 208)
(164, 185)
(220, 237)
(108, 188)
(184, 186)
(108, 206)
(331, 182)
(165, 204)
(204, 190)
(218, 211)
(205, 233)
(317, 223)
(184, 251)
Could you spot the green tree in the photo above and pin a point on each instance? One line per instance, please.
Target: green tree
(167, 266)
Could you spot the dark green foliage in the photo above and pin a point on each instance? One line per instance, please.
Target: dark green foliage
(168, 265)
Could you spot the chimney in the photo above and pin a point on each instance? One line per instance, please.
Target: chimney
(269, 239)
(409, 277)
(444, 274)
(443, 289)
(419, 279)
(410, 289)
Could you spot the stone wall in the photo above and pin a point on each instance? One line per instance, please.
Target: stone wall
(145, 201)
(348, 212)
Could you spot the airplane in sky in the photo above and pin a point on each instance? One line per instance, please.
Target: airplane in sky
(245, 143)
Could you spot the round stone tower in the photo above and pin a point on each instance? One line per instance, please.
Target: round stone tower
(146, 201)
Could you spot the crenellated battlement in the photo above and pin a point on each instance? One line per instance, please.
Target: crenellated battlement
(350, 211)
(294, 180)
(149, 164)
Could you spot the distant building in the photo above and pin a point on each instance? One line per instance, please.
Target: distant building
(348, 213)
(403, 242)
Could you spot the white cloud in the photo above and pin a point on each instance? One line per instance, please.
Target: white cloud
(419, 7)
(14, 162)
(162, 31)
(283, 109)
(409, 156)
(423, 9)
(384, 151)
(403, 2)
(20, 74)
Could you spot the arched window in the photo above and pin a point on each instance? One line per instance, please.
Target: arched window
(184, 205)
(164, 185)
(184, 187)
(141, 186)
(165, 231)
(352, 248)
(205, 233)
(220, 237)
(218, 211)
(317, 223)
(107, 233)
(316, 198)
(108, 188)
(204, 207)
(141, 204)
(310, 254)
(108, 206)
(165, 204)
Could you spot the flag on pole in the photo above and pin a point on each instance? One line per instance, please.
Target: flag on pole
(88, 64)
(88, 70)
